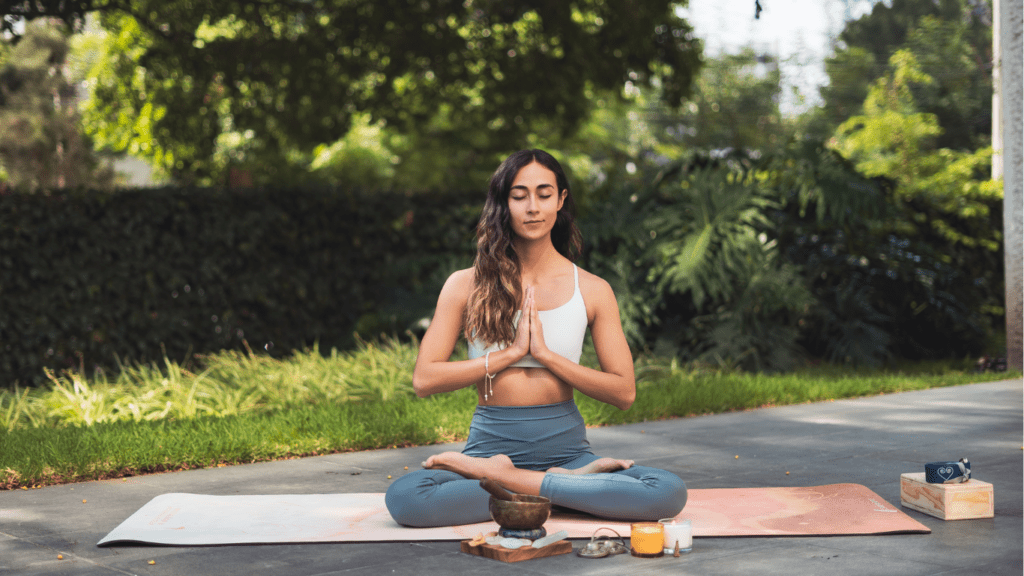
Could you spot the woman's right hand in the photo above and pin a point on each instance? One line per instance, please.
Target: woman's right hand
(521, 345)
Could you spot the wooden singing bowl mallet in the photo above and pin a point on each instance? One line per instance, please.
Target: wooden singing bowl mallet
(497, 490)
(515, 511)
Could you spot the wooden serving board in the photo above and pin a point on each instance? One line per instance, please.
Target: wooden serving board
(519, 554)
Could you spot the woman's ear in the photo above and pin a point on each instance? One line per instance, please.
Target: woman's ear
(561, 198)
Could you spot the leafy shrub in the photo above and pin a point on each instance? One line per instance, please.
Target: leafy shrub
(885, 285)
(755, 263)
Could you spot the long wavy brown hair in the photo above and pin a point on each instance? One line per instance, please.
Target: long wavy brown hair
(497, 289)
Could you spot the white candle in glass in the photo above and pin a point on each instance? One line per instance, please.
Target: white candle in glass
(680, 531)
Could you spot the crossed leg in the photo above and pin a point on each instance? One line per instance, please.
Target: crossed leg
(501, 469)
(447, 491)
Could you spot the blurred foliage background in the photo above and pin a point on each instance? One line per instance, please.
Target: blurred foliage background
(325, 163)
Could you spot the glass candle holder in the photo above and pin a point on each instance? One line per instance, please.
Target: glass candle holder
(646, 539)
(677, 532)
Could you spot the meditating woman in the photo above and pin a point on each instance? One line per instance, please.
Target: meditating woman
(524, 307)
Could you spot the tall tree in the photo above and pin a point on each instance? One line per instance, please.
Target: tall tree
(266, 78)
(947, 200)
(735, 105)
(951, 40)
(896, 140)
(41, 143)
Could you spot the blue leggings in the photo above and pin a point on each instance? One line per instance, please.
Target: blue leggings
(535, 438)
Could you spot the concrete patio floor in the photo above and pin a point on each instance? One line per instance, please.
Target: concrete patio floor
(868, 441)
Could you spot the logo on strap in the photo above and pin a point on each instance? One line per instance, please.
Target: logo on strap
(948, 472)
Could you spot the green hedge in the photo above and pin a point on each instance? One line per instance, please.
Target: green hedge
(92, 278)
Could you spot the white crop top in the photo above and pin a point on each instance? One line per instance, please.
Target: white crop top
(564, 329)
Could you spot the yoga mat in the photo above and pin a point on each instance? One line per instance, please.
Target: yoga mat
(201, 520)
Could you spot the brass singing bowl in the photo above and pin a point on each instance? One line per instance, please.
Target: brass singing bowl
(525, 513)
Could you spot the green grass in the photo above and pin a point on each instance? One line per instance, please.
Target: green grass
(674, 392)
(243, 408)
(231, 383)
(40, 456)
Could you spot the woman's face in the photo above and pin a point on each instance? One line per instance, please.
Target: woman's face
(534, 202)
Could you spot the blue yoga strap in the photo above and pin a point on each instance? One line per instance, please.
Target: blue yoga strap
(947, 472)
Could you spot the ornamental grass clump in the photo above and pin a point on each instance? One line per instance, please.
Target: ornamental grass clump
(227, 383)
(242, 408)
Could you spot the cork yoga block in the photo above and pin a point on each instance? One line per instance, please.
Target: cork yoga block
(971, 499)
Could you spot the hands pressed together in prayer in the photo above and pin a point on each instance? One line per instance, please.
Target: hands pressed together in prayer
(529, 332)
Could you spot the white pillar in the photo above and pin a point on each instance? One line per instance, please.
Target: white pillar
(1012, 96)
(997, 106)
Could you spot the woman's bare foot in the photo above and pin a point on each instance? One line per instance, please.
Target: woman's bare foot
(597, 466)
(496, 466)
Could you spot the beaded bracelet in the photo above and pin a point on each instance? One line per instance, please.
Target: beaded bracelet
(488, 377)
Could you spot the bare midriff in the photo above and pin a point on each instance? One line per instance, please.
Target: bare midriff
(526, 387)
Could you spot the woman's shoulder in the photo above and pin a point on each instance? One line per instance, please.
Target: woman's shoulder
(593, 285)
(455, 292)
(460, 282)
(592, 280)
